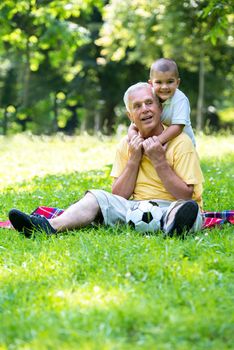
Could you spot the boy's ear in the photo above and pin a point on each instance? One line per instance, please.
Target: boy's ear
(150, 82)
(178, 82)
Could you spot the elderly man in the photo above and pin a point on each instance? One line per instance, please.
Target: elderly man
(143, 170)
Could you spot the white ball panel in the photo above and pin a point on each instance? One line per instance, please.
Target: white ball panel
(154, 225)
(141, 226)
(145, 206)
(156, 212)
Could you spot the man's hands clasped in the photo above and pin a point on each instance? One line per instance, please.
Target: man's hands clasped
(151, 146)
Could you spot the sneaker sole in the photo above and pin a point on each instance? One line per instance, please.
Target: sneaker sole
(184, 218)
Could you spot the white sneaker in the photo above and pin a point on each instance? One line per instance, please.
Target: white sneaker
(180, 217)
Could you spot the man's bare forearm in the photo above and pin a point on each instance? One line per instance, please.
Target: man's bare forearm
(124, 185)
(172, 182)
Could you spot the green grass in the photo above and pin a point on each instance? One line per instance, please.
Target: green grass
(103, 288)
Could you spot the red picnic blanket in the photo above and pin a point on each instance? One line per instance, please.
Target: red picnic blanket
(211, 218)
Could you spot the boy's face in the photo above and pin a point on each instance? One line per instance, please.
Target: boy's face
(164, 84)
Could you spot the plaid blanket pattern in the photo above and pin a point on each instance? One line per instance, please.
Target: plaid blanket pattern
(211, 218)
(215, 218)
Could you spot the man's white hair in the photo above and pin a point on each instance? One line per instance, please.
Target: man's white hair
(133, 88)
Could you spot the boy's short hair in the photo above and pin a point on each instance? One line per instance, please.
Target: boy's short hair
(164, 65)
(135, 87)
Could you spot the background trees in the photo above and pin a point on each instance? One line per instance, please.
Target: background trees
(197, 34)
(65, 64)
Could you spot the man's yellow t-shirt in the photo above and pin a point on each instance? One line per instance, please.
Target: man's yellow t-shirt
(183, 159)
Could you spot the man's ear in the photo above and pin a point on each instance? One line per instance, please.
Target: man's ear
(129, 116)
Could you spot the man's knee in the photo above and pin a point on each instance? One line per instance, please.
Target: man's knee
(92, 206)
(91, 201)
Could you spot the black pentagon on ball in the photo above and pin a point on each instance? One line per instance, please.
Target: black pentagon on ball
(155, 204)
(147, 217)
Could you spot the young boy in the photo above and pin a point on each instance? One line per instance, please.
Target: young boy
(164, 78)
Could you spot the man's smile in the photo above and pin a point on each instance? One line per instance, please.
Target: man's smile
(148, 117)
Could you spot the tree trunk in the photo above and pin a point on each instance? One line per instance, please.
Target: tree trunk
(26, 77)
(108, 117)
(4, 123)
(97, 122)
(200, 99)
(55, 110)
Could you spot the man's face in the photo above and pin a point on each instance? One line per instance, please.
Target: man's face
(164, 84)
(145, 111)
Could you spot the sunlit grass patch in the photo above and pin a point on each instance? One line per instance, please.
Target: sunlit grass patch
(216, 146)
(110, 288)
(25, 157)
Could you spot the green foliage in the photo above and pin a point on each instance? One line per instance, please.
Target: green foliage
(227, 115)
(110, 288)
(166, 28)
(219, 16)
(42, 39)
(92, 50)
(190, 32)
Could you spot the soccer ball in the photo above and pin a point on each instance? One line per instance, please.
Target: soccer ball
(145, 216)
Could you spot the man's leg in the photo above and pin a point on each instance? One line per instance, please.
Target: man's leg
(80, 214)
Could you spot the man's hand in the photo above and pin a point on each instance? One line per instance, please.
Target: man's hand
(136, 148)
(172, 182)
(154, 150)
(124, 185)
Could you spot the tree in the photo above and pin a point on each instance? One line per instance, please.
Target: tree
(219, 16)
(42, 37)
(58, 73)
(192, 32)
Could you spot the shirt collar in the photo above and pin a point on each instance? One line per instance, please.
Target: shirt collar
(167, 102)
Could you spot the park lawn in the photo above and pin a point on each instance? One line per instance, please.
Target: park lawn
(110, 288)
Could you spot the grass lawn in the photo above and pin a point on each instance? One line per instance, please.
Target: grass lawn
(110, 288)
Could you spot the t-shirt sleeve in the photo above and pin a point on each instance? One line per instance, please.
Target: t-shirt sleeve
(121, 159)
(181, 112)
